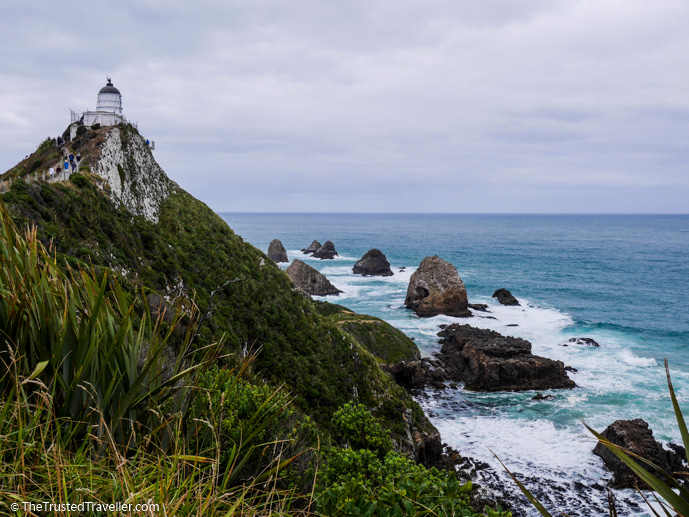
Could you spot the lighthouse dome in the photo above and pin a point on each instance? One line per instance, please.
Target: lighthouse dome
(109, 88)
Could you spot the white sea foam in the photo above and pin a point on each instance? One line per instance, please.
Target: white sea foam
(628, 357)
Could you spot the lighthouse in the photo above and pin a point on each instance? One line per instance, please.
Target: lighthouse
(108, 109)
(109, 99)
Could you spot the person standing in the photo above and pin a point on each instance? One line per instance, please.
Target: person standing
(78, 158)
(51, 173)
(66, 168)
(59, 170)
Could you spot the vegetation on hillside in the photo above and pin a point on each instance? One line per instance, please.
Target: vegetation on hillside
(388, 344)
(189, 254)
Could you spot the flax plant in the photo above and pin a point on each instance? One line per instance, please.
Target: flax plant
(78, 333)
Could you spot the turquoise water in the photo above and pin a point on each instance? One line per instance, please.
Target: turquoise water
(622, 280)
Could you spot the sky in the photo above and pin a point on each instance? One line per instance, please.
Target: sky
(502, 106)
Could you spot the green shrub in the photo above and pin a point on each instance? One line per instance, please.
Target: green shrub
(81, 130)
(79, 180)
(95, 126)
(354, 426)
(238, 418)
(413, 495)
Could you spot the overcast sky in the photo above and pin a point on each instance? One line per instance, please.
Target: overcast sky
(394, 106)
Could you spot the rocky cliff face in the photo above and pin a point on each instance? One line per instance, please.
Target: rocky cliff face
(132, 175)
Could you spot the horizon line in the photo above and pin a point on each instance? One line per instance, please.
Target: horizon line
(455, 213)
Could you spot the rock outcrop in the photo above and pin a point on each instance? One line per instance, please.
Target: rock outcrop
(309, 280)
(488, 361)
(277, 252)
(133, 177)
(313, 247)
(418, 374)
(582, 341)
(635, 436)
(327, 251)
(505, 297)
(373, 263)
(436, 288)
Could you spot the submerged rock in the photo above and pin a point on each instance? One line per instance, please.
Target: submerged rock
(277, 252)
(309, 280)
(327, 251)
(436, 288)
(636, 437)
(313, 247)
(505, 297)
(481, 307)
(373, 263)
(488, 361)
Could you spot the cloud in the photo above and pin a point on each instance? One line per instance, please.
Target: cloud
(365, 106)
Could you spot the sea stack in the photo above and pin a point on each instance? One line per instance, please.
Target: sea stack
(436, 288)
(313, 247)
(277, 252)
(373, 263)
(505, 297)
(309, 280)
(327, 251)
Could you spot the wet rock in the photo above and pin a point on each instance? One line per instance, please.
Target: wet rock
(583, 341)
(327, 251)
(309, 280)
(540, 396)
(436, 288)
(313, 247)
(277, 252)
(373, 263)
(512, 325)
(636, 437)
(571, 369)
(481, 307)
(417, 374)
(488, 361)
(505, 297)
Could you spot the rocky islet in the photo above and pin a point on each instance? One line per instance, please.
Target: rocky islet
(373, 263)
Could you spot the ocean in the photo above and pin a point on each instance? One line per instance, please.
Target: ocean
(622, 280)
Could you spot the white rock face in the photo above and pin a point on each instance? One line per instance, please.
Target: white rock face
(135, 179)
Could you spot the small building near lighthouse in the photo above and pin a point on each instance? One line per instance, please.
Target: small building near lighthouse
(108, 109)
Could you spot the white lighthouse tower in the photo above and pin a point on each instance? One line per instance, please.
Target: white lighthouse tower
(108, 109)
(109, 99)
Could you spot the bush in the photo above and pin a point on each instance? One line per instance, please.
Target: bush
(81, 130)
(413, 495)
(79, 180)
(239, 418)
(95, 126)
(354, 426)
